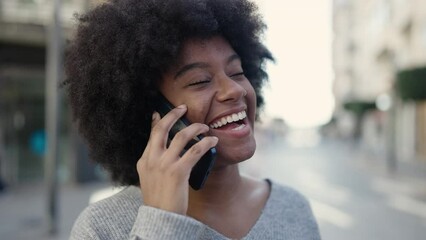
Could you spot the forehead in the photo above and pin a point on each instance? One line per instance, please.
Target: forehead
(205, 50)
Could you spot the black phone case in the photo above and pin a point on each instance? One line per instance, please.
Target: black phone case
(201, 170)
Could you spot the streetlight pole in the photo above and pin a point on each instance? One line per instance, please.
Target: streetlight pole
(54, 71)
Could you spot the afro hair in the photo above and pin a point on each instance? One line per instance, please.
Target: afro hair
(121, 49)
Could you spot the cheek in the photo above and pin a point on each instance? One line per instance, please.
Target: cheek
(251, 101)
(197, 110)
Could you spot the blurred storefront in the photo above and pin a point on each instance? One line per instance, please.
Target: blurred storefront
(374, 41)
(23, 39)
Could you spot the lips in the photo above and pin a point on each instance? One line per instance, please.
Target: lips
(233, 119)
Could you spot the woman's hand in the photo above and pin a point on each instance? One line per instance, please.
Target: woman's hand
(163, 174)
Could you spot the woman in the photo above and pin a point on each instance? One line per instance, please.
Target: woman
(205, 57)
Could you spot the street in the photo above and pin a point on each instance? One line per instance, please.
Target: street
(352, 194)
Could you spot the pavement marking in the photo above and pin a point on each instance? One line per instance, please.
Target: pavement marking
(408, 205)
(316, 183)
(331, 215)
(390, 186)
(398, 195)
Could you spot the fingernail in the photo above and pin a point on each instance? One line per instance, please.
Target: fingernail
(181, 106)
(154, 115)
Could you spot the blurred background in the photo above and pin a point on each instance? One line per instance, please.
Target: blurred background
(344, 123)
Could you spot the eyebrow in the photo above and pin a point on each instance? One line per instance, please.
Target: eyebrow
(191, 66)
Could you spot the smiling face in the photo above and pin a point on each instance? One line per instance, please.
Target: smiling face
(209, 79)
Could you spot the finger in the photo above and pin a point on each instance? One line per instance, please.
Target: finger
(161, 128)
(183, 137)
(193, 155)
(155, 119)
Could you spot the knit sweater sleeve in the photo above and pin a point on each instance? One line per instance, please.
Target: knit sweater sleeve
(122, 217)
(152, 223)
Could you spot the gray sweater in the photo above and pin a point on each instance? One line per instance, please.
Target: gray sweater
(287, 215)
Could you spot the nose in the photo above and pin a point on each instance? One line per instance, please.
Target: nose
(229, 89)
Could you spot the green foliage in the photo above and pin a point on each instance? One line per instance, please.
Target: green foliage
(411, 84)
(359, 107)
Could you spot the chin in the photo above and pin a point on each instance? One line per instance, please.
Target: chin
(233, 155)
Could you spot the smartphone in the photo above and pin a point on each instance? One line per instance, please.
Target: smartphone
(202, 168)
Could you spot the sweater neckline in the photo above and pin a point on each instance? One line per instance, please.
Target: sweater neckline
(259, 222)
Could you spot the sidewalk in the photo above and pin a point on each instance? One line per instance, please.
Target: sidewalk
(327, 170)
(352, 193)
(375, 162)
(23, 210)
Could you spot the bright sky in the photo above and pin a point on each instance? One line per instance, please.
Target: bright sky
(299, 36)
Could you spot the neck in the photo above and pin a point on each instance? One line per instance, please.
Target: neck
(220, 188)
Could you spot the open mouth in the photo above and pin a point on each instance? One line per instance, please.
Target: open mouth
(233, 121)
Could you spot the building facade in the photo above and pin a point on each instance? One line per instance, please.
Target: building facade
(373, 41)
(24, 29)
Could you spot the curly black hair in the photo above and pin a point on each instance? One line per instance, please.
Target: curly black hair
(119, 53)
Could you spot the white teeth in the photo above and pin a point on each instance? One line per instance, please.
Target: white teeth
(239, 127)
(223, 122)
(229, 119)
(235, 117)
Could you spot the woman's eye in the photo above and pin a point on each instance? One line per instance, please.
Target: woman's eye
(198, 82)
(237, 75)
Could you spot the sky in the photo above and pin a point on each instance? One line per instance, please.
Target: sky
(299, 35)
